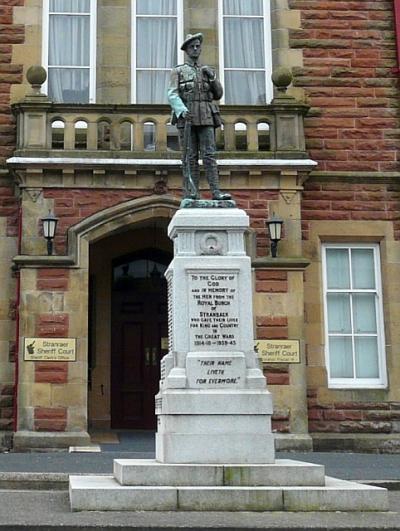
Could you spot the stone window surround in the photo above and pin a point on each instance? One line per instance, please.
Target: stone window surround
(180, 37)
(267, 45)
(357, 383)
(93, 47)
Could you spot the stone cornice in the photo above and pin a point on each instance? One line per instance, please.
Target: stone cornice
(281, 262)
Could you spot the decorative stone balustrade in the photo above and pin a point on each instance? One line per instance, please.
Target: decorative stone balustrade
(47, 129)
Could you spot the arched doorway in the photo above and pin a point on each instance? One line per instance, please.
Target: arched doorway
(139, 339)
(127, 325)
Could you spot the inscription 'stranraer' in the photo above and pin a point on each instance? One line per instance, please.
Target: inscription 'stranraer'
(213, 311)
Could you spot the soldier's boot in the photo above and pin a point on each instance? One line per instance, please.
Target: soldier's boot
(213, 181)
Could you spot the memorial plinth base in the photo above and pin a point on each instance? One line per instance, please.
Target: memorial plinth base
(214, 426)
(145, 485)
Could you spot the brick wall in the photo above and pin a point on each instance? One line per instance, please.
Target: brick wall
(73, 205)
(50, 419)
(54, 324)
(349, 80)
(6, 407)
(274, 327)
(350, 202)
(10, 74)
(352, 417)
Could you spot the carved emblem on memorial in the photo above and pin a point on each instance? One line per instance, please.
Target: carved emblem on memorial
(211, 243)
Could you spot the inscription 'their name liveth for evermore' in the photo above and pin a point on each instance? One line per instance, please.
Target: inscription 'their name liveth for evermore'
(213, 311)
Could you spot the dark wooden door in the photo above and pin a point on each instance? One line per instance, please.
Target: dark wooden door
(139, 324)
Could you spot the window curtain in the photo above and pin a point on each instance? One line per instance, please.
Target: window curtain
(69, 6)
(243, 7)
(152, 84)
(244, 50)
(69, 46)
(341, 357)
(156, 7)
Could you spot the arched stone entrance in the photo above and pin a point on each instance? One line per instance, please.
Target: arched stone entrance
(60, 390)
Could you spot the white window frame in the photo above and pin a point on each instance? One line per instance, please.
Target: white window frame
(357, 383)
(267, 47)
(179, 33)
(92, 53)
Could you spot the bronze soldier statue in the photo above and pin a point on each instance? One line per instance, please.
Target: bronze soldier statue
(191, 92)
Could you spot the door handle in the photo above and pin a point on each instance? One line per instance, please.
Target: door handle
(154, 356)
(147, 356)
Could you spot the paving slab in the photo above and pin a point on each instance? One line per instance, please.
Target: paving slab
(48, 510)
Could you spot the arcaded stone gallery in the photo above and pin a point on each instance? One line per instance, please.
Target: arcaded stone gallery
(309, 138)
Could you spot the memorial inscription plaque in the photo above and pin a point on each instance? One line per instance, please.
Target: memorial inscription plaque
(214, 330)
(213, 310)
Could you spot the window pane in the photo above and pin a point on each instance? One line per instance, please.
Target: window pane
(338, 274)
(245, 88)
(366, 357)
(340, 357)
(149, 134)
(156, 7)
(339, 314)
(243, 7)
(70, 6)
(156, 40)
(364, 318)
(363, 269)
(244, 43)
(152, 87)
(69, 40)
(69, 85)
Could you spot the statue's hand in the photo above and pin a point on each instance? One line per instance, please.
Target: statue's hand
(209, 72)
(187, 115)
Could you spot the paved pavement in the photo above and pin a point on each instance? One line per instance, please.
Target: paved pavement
(47, 506)
(140, 445)
(43, 510)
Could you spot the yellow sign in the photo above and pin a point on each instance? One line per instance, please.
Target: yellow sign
(278, 350)
(49, 349)
(164, 343)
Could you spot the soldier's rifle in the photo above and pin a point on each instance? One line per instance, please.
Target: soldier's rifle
(187, 152)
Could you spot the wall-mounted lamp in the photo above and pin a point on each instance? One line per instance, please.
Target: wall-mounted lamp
(274, 226)
(49, 230)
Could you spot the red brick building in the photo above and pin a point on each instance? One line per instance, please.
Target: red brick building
(95, 147)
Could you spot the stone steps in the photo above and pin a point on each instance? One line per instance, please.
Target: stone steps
(284, 472)
(145, 485)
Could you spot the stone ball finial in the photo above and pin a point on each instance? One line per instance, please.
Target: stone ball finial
(281, 78)
(36, 75)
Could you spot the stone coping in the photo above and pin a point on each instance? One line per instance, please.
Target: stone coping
(90, 161)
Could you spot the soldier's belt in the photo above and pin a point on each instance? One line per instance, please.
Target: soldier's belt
(201, 98)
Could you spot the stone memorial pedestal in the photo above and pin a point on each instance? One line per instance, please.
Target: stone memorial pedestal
(214, 446)
(213, 405)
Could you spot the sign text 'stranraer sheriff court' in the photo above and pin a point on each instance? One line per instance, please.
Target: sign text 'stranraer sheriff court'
(49, 349)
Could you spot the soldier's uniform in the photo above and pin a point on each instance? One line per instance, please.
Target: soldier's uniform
(192, 89)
